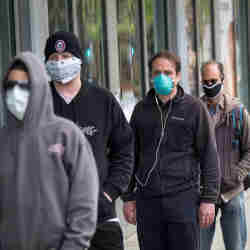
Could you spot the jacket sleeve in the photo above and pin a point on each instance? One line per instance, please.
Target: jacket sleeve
(129, 195)
(121, 156)
(244, 163)
(83, 196)
(209, 159)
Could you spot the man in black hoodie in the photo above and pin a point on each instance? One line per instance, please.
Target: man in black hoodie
(98, 114)
(174, 147)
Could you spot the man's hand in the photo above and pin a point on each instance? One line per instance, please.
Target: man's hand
(206, 214)
(129, 212)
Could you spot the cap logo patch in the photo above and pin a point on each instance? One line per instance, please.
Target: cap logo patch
(60, 46)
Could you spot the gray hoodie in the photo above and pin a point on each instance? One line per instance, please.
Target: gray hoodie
(48, 178)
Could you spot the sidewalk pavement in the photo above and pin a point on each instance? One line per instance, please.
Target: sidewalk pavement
(131, 237)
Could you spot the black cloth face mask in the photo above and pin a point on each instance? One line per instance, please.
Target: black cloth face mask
(212, 90)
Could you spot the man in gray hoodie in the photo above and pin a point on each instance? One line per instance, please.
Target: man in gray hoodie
(48, 177)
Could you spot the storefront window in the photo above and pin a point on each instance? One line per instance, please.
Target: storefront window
(225, 42)
(192, 49)
(88, 25)
(7, 45)
(204, 10)
(241, 10)
(150, 20)
(204, 35)
(58, 15)
(129, 54)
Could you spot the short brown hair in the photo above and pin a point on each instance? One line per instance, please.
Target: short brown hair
(169, 56)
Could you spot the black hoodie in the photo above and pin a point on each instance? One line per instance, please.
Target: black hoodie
(100, 117)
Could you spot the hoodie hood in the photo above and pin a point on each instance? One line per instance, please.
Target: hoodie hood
(40, 106)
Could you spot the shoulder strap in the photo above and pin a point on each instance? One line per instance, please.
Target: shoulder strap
(234, 118)
(241, 116)
(237, 119)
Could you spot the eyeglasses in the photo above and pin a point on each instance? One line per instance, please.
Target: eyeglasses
(209, 82)
(11, 84)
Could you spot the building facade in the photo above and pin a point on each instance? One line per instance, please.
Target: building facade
(119, 36)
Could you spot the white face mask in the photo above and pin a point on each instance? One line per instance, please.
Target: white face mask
(63, 71)
(17, 99)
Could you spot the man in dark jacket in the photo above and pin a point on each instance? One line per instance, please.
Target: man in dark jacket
(48, 175)
(174, 147)
(232, 129)
(100, 117)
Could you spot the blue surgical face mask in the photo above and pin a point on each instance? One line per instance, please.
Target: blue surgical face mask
(163, 84)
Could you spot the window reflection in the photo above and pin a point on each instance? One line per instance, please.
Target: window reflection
(205, 27)
(241, 50)
(7, 44)
(225, 40)
(88, 25)
(129, 57)
(58, 18)
(204, 24)
(149, 11)
(192, 50)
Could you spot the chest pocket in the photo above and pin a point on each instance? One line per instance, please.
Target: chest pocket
(179, 135)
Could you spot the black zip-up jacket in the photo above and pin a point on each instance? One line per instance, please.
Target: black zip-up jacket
(100, 117)
(174, 146)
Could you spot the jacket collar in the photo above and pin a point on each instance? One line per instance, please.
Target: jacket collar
(150, 98)
(227, 103)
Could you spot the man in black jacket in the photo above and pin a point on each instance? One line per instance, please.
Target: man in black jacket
(101, 119)
(175, 148)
